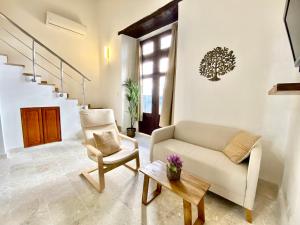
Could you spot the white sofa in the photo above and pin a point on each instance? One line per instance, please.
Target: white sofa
(200, 146)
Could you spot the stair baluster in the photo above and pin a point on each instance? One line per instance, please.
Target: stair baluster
(33, 61)
(61, 78)
(38, 63)
(83, 93)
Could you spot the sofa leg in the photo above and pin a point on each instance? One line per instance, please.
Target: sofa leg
(248, 215)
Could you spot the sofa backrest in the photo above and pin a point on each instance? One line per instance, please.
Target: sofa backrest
(205, 135)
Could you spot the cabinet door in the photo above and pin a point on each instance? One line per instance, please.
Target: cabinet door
(51, 124)
(32, 125)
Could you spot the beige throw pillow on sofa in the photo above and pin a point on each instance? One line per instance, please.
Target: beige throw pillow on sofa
(107, 142)
(239, 148)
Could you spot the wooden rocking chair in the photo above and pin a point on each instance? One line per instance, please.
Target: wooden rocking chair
(95, 120)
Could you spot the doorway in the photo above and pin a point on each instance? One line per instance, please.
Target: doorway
(155, 62)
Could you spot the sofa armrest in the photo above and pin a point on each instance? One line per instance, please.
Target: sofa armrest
(253, 175)
(160, 135)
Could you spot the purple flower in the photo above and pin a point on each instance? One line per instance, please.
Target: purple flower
(175, 161)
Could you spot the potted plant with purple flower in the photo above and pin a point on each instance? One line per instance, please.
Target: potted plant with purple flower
(174, 166)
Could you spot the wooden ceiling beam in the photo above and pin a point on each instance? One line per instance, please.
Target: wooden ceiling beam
(162, 17)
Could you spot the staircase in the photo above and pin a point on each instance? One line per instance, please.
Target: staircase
(29, 77)
(42, 79)
(47, 68)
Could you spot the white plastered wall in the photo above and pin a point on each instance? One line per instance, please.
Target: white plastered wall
(2, 148)
(128, 55)
(113, 17)
(255, 31)
(16, 93)
(80, 51)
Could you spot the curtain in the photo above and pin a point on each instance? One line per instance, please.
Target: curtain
(166, 117)
(137, 76)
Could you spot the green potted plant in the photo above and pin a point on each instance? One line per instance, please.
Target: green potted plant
(132, 95)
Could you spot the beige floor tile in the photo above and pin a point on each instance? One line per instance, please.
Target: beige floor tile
(42, 186)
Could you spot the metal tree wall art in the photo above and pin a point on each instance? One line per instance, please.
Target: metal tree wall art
(217, 63)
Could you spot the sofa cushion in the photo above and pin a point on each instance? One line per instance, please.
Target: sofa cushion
(240, 146)
(212, 166)
(205, 135)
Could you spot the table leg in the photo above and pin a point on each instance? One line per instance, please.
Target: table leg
(187, 210)
(158, 188)
(153, 195)
(145, 189)
(201, 213)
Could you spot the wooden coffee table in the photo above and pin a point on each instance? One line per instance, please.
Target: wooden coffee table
(191, 189)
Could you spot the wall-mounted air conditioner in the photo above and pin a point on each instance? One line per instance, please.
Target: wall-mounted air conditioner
(58, 21)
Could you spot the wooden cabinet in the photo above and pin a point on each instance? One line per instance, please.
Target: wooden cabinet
(40, 125)
(32, 125)
(51, 124)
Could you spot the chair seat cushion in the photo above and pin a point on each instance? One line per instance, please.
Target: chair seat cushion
(120, 156)
(117, 157)
(210, 165)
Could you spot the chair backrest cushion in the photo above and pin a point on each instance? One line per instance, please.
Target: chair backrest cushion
(96, 117)
(95, 121)
(205, 135)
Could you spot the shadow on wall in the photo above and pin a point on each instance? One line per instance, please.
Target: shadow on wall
(291, 179)
(39, 10)
(269, 159)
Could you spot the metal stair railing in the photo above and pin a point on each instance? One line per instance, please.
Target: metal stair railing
(35, 53)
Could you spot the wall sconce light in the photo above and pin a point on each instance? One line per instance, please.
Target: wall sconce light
(106, 54)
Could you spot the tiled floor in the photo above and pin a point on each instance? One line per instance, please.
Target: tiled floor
(42, 186)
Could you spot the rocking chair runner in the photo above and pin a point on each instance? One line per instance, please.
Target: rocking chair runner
(96, 120)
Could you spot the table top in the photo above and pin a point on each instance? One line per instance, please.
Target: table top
(190, 188)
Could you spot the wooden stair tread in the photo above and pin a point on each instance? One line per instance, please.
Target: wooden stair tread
(13, 64)
(30, 75)
(46, 84)
(42, 82)
(64, 93)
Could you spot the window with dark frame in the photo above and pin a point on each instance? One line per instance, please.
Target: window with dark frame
(155, 62)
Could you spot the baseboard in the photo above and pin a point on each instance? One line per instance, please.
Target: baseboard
(143, 134)
(283, 208)
(3, 156)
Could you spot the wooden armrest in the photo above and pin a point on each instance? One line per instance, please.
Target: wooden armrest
(134, 141)
(95, 151)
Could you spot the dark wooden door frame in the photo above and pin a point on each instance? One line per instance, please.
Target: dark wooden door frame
(162, 17)
(152, 119)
